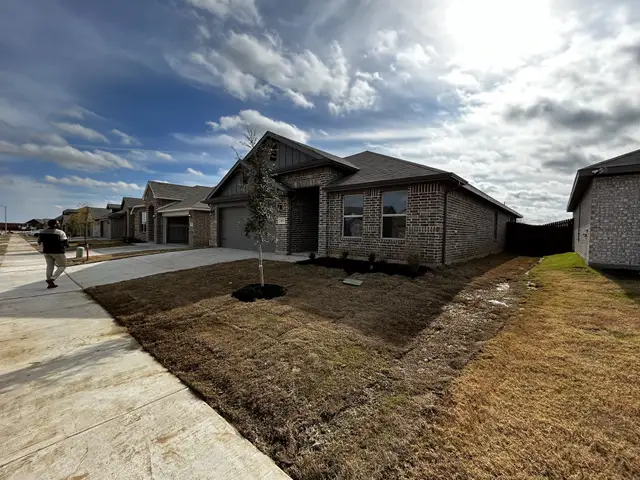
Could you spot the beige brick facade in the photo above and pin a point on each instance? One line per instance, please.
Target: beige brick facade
(608, 222)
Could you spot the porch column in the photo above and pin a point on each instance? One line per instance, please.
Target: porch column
(283, 224)
(323, 218)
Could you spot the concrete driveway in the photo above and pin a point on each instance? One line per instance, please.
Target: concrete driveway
(79, 398)
(134, 247)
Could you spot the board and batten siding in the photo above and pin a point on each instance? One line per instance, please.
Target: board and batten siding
(290, 157)
(234, 185)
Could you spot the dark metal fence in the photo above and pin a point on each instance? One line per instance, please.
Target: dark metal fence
(540, 240)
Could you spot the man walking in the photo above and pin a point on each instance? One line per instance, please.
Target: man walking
(54, 243)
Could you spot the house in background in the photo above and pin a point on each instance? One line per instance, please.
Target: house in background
(35, 224)
(174, 214)
(605, 201)
(65, 222)
(102, 222)
(363, 203)
(123, 218)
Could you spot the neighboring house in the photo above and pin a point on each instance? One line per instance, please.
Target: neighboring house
(605, 201)
(96, 213)
(35, 224)
(174, 214)
(102, 223)
(123, 218)
(363, 203)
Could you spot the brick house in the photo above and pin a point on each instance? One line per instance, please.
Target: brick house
(363, 203)
(173, 214)
(122, 218)
(605, 201)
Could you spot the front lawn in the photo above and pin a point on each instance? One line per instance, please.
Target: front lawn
(331, 381)
(119, 256)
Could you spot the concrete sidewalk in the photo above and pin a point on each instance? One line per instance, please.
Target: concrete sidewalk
(80, 399)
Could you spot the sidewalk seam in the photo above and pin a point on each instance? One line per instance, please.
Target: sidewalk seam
(94, 426)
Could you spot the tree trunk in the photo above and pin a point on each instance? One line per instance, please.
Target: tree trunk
(260, 264)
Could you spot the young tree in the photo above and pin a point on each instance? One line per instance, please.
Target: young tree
(262, 192)
(82, 221)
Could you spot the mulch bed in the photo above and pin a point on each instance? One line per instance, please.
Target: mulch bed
(351, 266)
(255, 291)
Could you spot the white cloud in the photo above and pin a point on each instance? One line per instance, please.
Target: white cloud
(77, 130)
(192, 171)
(78, 112)
(252, 68)
(125, 139)
(385, 42)
(66, 156)
(298, 99)
(243, 11)
(76, 181)
(253, 118)
(362, 96)
(50, 138)
(164, 156)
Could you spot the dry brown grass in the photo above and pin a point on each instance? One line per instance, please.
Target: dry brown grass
(331, 381)
(557, 393)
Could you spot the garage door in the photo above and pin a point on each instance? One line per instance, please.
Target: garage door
(232, 221)
(177, 229)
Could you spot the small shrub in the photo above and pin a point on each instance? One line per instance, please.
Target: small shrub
(372, 257)
(413, 261)
(312, 256)
(344, 255)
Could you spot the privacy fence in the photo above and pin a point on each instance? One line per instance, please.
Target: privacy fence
(540, 240)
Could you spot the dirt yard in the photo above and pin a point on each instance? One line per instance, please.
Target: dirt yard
(331, 381)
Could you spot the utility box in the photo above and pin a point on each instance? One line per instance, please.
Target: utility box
(79, 252)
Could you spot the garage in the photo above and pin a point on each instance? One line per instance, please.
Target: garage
(177, 229)
(231, 223)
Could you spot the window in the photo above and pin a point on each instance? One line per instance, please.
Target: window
(394, 214)
(352, 212)
(495, 225)
(143, 221)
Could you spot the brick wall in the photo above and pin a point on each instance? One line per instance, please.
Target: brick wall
(283, 228)
(423, 233)
(471, 231)
(305, 212)
(614, 238)
(199, 228)
(213, 226)
(136, 219)
(155, 231)
(313, 177)
(582, 225)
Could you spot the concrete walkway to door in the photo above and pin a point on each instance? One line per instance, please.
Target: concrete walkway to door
(79, 398)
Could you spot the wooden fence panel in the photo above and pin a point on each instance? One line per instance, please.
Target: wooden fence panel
(540, 240)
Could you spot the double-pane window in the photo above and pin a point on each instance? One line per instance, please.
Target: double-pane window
(394, 214)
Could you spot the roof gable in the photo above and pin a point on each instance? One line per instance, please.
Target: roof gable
(620, 165)
(298, 156)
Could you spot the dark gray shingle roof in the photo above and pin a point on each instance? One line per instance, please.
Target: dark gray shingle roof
(375, 167)
(193, 199)
(128, 202)
(620, 165)
(169, 191)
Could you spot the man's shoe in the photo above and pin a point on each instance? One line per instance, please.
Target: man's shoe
(51, 284)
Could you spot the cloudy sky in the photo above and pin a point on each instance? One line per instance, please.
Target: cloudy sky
(98, 97)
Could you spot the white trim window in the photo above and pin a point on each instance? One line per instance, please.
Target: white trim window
(143, 222)
(394, 214)
(352, 210)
